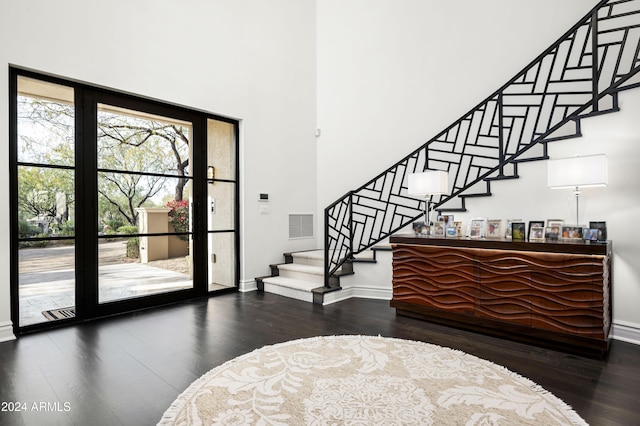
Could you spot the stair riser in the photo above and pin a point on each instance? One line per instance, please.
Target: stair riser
(301, 260)
(315, 278)
(305, 296)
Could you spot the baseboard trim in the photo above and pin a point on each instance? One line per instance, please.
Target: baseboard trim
(6, 332)
(626, 332)
(359, 292)
(248, 285)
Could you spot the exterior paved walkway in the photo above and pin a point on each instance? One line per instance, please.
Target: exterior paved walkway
(47, 278)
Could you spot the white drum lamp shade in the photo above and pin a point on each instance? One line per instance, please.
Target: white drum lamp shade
(577, 172)
(431, 182)
(426, 184)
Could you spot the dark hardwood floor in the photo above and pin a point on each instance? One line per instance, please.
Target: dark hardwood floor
(127, 370)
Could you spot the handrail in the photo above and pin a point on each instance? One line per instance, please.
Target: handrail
(577, 76)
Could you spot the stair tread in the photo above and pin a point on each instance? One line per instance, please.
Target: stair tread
(291, 283)
(502, 177)
(476, 195)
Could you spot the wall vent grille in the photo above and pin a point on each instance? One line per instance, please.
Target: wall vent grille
(300, 225)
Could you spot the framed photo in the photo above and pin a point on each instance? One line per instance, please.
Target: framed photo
(454, 229)
(552, 233)
(590, 234)
(494, 228)
(518, 231)
(535, 224)
(447, 219)
(438, 228)
(420, 228)
(476, 229)
(602, 230)
(509, 228)
(555, 223)
(553, 230)
(572, 232)
(536, 233)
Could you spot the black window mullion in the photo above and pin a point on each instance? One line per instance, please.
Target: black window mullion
(13, 194)
(86, 190)
(199, 208)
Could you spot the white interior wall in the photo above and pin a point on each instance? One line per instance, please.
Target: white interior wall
(250, 60)
(391, 75)
(409, 71)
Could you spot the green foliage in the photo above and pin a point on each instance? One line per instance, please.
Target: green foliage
(127, 229)
(44, 191)
(115, 223)
(67, 229)
(25, 229)
(133, 248)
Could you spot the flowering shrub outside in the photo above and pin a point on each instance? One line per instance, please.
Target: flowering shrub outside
(179, 215)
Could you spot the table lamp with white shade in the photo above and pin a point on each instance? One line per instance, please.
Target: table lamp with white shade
(576, 173)
(427, 184)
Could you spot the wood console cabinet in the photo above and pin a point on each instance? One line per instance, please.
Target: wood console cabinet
(555, 294)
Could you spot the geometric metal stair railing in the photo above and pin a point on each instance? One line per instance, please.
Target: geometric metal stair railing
(577, 77)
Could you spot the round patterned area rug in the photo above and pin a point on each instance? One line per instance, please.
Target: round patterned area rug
(361, 380)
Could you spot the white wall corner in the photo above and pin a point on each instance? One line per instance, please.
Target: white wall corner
(6, 332)
(626, 332)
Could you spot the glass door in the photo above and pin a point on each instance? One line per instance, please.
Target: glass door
(144, 204)
(45, 211)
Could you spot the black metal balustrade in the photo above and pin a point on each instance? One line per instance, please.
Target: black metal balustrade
(577, 77)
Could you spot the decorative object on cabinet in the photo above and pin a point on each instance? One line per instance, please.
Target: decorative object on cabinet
(552, 232)
(534, 224)
(438, 228)
(572, 232)
(518, 231)
(494, 228)
(455, 229)
(447, 219)
(590, 234)
(554, 229)
(509, 228)
(420, 228)
(477, 227)
(602, 229)
(536, 233)
(555, 223)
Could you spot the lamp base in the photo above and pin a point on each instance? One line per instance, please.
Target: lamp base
(577, 204)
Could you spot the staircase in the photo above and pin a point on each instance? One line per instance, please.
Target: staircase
(301, 276)
(577, 77)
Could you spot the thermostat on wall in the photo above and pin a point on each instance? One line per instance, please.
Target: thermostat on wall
(263, 197)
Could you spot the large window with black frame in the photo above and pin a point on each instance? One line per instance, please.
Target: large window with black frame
(112, 209)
